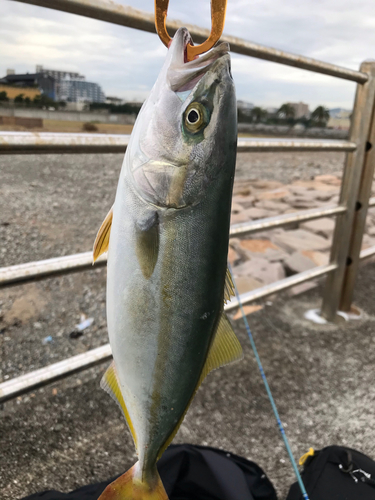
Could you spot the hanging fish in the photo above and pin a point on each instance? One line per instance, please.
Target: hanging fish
(167, 240)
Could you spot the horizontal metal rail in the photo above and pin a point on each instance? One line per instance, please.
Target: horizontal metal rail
(282, 220)
(42, 269)
(44, 376)
(47, 143)
(367, 252)
(133, 18)
(278, 286)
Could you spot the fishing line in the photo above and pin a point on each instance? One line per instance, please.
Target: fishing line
(269, 393)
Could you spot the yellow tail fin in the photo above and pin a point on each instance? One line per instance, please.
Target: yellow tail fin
(128, 487)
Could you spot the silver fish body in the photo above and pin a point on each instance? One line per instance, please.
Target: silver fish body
(168, 244)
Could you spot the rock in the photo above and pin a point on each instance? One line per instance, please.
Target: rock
(368, 241)
(273, 195)
(244, 201)
(303, 287)
(248, 310)
(232, 255)
(236, 208)
(275, 255)
(324, 226)
(265, 184)
(260, 269)
(277, 206)
(239, 217)
(259, 213)
(319, 258)
(257, 246)
(247, 283)
(297, 263)
(328, 179)
(299, 239)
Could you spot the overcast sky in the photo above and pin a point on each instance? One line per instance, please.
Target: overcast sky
(125, 62)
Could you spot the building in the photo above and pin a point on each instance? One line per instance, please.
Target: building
(245, 106)
(78, 90)
(301, 109)
(57, 85)
(73, 87)
(42, 83)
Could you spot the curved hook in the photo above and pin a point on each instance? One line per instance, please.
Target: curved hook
(218, 10)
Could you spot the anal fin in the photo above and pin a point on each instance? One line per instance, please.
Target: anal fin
(102, 238)
(111, 386)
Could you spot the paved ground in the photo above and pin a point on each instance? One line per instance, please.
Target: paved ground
(71, 433)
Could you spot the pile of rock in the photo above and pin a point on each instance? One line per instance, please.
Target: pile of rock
(262, 258)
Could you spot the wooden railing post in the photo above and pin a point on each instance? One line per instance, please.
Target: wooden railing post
(355, 170)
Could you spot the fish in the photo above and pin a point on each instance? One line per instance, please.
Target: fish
(167, 238)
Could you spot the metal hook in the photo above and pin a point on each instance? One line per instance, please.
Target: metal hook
(218, 9)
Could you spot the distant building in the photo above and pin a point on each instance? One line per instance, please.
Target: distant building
(73, 87)
(57, 85)
(44, 83)
(300, 109)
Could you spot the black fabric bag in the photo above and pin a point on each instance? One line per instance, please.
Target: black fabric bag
(337, 473)
(193, 473)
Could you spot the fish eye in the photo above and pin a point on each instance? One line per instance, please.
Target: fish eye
(195, 117)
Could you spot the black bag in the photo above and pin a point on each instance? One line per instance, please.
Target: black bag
(193, 473)
(336, 473)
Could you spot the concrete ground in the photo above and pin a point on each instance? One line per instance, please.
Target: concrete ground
(71, 433)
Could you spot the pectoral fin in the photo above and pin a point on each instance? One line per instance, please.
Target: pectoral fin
(111, 386)
(147, 246)
(102, 238)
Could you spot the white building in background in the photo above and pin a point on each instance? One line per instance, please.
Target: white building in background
(73, 87)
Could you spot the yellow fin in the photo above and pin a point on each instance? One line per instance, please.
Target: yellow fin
(225, 349)
(110, 385)
(229, 290)
(102, 238)
(129, 487)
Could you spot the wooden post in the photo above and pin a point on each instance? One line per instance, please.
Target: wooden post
(354, 171)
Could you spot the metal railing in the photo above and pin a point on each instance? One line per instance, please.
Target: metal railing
(350, 213)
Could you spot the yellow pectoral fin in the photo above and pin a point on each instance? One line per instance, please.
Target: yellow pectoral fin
(110, 385)
(102, 238)
(228, 287)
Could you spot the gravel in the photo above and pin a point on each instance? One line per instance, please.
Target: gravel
(70, 433)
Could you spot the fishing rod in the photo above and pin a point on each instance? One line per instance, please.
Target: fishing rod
(269, 393)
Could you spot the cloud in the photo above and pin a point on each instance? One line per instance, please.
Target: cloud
(126, 62)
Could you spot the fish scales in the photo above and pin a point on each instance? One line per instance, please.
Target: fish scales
(167, 253)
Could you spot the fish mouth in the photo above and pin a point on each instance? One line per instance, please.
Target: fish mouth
(182, 75)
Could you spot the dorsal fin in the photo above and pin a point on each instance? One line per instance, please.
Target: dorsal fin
(225, 349)
(102, 238)
(111, 386)
(228, 287)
